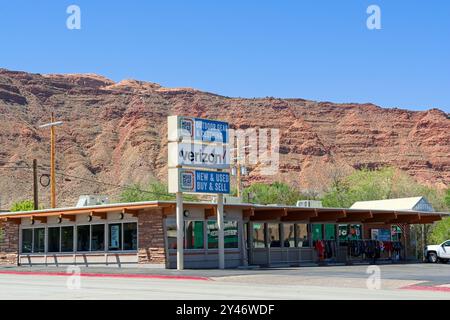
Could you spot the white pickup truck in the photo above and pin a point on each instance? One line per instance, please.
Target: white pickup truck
(440, 252)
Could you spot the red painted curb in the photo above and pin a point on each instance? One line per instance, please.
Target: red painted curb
(426, 288)
(106, 275)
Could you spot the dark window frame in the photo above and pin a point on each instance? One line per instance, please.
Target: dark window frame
(36, 237)
(31, 242)
(49, 240)
(77, 238)
(91, 237)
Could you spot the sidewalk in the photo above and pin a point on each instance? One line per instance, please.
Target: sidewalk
(124, 272)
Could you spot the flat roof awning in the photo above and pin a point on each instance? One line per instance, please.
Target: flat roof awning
(253, 212)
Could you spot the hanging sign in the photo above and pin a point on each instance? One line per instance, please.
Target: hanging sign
(197, 130)
(198, 181)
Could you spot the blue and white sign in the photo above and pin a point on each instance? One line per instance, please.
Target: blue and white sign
(198, 130)
(200, 181)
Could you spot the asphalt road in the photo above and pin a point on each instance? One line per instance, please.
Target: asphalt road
(436, 273)
(53, 287)
(346, 282)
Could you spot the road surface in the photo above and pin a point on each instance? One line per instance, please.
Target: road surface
(321, 283)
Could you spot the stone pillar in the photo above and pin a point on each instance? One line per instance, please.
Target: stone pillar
(9, 243)
(151, 238)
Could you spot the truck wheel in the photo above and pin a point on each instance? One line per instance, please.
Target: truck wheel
(432, 257)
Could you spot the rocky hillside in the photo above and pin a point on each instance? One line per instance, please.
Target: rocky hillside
(116, 133)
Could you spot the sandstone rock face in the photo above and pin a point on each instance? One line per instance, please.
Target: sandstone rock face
(116, 133)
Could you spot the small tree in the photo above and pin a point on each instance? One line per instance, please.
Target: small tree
(384, 183)
(25, 205)
(447, 199)
(440, 231)
(275, 193)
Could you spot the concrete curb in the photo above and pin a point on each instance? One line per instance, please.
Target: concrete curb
(427, 288)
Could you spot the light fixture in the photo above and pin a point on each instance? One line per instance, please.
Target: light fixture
(122, 216)
(186, 213)
(89, 218)
(59, 219)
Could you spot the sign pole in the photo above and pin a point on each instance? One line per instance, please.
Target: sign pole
(220, 225)
(35, 186)
(212, 154)
(180, 231)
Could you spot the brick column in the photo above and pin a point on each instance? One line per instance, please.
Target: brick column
(9, 243)
(151, 237)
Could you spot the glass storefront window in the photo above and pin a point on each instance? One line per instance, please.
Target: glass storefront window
(98, 237)
(317, 232)
(354, 232)
(115, 236)
(171, 233)
(396, 233)
(330, 231)
(130, 236)
(194, 238)
(289, 235)
(83, 238)
(258, 235)
(39, 240)
(343, 233)
(274, 235)
(230, 234)
(27, 240)
(302, 235)
(88, 238)
(66, 239)
(348, 232)
(53, 239)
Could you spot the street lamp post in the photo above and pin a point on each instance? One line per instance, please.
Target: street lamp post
(52, 124)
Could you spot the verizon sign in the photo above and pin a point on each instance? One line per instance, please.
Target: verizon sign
(195, 155)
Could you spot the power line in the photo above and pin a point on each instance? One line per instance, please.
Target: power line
(12, 161)
(43, 167)
(112, 184)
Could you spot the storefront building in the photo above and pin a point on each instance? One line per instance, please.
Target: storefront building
(144, 234)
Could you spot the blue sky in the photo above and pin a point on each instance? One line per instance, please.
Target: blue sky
(312, 49)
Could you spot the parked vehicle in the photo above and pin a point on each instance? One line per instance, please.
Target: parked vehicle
(440, 252)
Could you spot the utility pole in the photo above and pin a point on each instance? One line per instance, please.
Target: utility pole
(52, 164)
(52, 126)
(238, 167)
(239, 179)
(35, 186)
